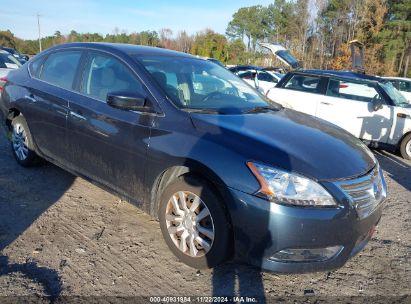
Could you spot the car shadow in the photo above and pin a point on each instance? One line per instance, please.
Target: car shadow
(248, 278)
(397, 168)
(48, 278)
(25, 194)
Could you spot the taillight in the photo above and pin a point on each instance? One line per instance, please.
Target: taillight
(3, 81)
(343, 86)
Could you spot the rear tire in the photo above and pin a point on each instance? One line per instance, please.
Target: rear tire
(22, 143)
(405, 147)
(194, 223)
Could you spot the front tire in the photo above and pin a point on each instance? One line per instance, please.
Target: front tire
(194, 223)
(22, 143)
(405, 147)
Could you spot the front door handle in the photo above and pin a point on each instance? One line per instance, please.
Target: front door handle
(326, 103)
(78, 116)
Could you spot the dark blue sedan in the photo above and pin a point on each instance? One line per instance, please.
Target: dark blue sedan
(228, 174)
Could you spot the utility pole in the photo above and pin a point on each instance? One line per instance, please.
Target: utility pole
(38, 26)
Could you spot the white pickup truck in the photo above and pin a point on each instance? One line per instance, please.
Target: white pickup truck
(368, 107)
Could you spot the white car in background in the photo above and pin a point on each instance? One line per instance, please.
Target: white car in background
(7, 63)
(262, 80)
(401, 84)
(368, 107)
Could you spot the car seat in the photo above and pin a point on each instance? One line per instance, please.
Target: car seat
(171, 91)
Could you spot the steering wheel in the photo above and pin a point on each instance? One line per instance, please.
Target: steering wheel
(211, 95)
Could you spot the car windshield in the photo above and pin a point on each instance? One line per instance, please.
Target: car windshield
(9, 61)
(199, 85)
(394, 94)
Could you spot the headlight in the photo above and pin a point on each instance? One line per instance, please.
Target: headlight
(289, 188)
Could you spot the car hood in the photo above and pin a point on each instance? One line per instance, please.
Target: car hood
(289, 140)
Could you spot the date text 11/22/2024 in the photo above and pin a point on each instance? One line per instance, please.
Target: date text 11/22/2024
(202, 299)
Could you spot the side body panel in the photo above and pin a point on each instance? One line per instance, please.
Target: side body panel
(299, 101)
(108, 144)
(357, 117)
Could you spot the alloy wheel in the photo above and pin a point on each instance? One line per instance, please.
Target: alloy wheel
(20, 142)
(189, 224)
(408, 148)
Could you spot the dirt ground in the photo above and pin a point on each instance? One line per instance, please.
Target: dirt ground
(62, 236)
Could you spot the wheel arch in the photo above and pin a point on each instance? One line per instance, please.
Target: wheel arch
(12, 113)
(402, 138)
(195, 169)
(402, 146)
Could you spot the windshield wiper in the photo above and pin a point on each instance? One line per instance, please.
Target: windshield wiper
(199, 110)
(261, 109)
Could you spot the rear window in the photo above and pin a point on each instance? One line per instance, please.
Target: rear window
(60, 68)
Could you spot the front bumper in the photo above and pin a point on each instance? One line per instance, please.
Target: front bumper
(262, 229)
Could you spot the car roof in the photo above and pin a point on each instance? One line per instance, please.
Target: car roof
(246, 66)
(346, 74)
(130, 49)
(397, 78)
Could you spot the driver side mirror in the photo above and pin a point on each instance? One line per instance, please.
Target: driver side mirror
(376, 103)
(128, 101)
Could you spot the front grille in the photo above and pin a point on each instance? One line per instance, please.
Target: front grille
(365, 193)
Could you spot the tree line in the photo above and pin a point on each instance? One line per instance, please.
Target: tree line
(317, 32)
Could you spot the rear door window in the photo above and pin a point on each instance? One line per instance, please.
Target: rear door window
(352, 90)
(304, 83)
(60, 68)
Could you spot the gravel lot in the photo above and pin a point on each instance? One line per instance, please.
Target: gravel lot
(62, 236)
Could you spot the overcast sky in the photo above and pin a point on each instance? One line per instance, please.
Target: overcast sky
(19, 16)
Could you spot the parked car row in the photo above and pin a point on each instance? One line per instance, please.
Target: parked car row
(16, 54)
(260, 78)
(7, 63)
(9, 60)
(370, 108)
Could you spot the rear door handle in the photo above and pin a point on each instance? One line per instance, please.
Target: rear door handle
(326, 103)
(78, 116)
(31, 98)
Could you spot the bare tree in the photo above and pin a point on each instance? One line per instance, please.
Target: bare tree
(183, 42)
